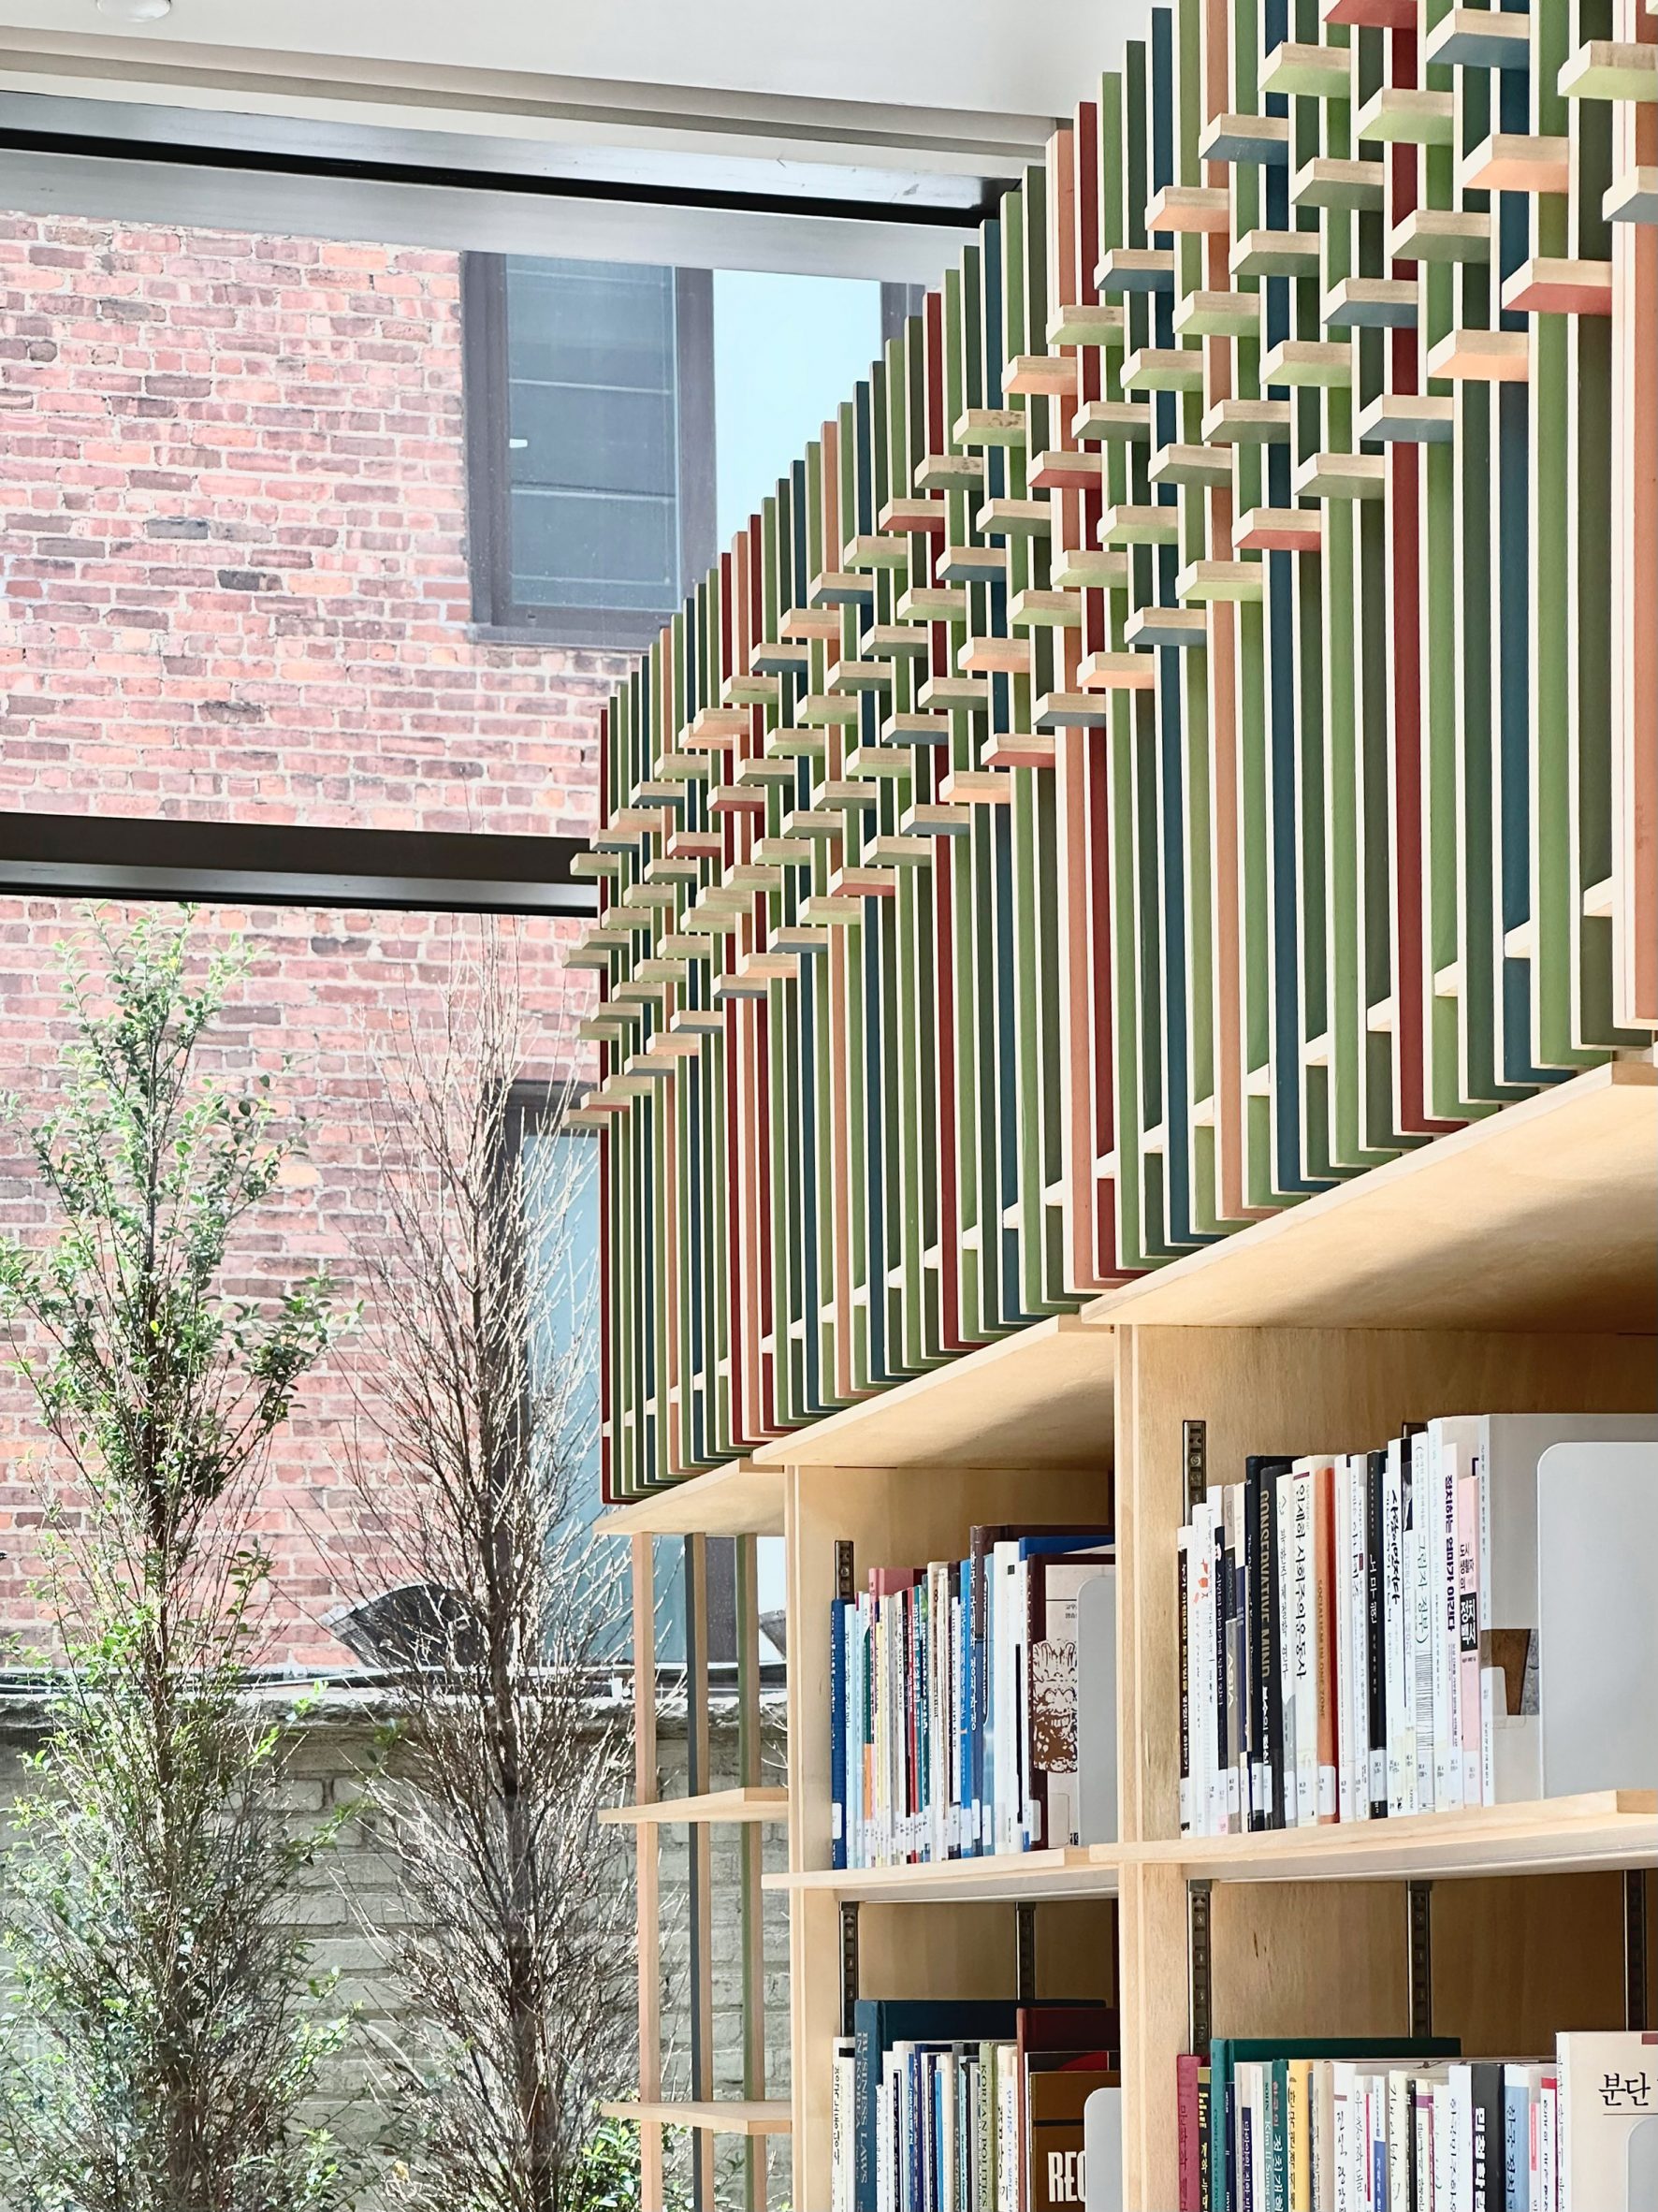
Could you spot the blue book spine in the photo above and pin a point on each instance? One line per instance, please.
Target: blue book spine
(1378, 2166)
(838, 1710)
(1517, 2146)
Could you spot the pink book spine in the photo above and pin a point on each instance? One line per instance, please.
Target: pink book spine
(1185, 2091)
(1470, 1716)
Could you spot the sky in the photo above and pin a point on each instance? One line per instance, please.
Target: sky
(787, 351)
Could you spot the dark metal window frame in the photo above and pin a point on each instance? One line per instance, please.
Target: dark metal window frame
(489, 491)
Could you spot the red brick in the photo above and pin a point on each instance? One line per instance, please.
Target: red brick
(186, 412)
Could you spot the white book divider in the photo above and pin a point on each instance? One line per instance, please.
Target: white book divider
(1597, 1664)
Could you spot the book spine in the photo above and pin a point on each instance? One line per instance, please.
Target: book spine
(1232, 1700)
(1342, 1600)
(838, 1633)
(1447, 1757)
(1276, 2081)
(1376, 1631)
(1255, 1775)
(1305, 1653)
(1267, 1810)
(1424, 2157)
(1284, 1630)
(1297, 2125)
(1324, 1630)
(1395, 1633)
(1423, 1639)
(1398, 2135)
(1035, 1829)
(1185, 2103)
(1183, 1629)
(1202, 1569)
(1470, 1727)
(1358, 1571)
(1223, 1770)
(1486, 2140)
(1548, 2160)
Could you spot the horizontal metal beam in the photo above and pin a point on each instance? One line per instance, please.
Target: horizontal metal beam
(289, 864)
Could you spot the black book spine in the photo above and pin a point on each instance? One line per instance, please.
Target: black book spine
(1485, 2082)
(1269, 1683)
(1376, 1634)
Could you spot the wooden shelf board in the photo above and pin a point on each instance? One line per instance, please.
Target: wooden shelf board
(754, 2116)
(1039, 1399)
(1543, 1217)
(1022, 1876)
(716, 1805)
(1605, 1831)
(1610, 1829)
(739, 1499)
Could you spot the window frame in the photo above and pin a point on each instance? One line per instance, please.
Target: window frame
(489, 485)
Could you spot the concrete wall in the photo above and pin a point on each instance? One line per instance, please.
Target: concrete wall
(359, 1878)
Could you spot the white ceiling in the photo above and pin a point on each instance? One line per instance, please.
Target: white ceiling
(990, 56)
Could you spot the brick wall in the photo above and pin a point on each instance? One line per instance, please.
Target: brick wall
(233, 583)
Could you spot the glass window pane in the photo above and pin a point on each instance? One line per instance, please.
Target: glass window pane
(568, 439)
(593, 462)
(594, 548)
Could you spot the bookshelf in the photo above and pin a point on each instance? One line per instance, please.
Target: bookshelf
(1508, 1265)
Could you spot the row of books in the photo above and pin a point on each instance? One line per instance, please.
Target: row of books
(1411, 2127)
(968, 2105)
(1358, 1632)
(954, 1698)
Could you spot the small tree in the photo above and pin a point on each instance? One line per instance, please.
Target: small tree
(517, 1955)
(169, 2031)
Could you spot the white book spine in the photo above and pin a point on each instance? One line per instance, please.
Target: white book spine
(958, 1777)
(1302, 1630)
(1007, 1755)
(1448, 1764)
(1444, 2168)
(1459, 2100)
(1399, 2142)
(1183, 1587)
(1342, 1596)
(1358, 1625)
(1394, 1645)
(1422, 1625)
(1281, 1567)
(1203, 1662)
(1342, 2163)
(1208, 1637)
(1548, 2151)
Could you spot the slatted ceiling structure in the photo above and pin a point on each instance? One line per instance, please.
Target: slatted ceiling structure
(1184, 731)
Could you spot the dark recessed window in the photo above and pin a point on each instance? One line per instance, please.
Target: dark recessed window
(590, 443)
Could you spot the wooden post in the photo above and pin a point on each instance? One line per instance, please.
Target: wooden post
(750, 1844)
(648, 1878)
(701, 1864)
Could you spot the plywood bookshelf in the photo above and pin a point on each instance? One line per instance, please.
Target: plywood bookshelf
(1513, 1266)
